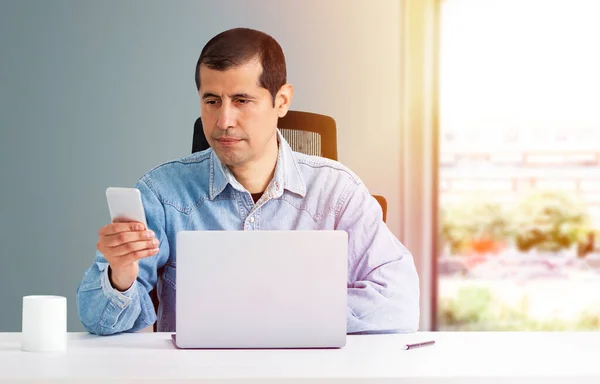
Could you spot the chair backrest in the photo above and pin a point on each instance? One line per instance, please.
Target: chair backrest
(306, 132)
(199, 142)
(310, 133)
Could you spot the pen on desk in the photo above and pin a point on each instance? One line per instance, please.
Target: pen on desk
(418, 345)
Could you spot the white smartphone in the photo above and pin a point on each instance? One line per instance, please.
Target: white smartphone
(125, 204)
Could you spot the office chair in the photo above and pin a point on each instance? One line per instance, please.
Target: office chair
(305, 132)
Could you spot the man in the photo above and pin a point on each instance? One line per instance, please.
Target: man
(250, 179)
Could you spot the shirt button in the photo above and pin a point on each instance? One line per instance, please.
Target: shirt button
(251, 219)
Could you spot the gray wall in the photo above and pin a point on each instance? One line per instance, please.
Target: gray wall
(94, 94)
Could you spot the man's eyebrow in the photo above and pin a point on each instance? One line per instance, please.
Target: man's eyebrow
(208, 94)
(242, 96)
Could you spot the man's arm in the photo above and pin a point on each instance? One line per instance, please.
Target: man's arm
(383, 286)
(104, 310)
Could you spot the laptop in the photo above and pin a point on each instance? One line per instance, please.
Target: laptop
(261, 289)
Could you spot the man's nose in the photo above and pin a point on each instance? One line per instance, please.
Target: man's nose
(227, 118)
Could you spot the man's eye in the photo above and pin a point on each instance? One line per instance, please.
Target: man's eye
(243, 101)
(211, 102)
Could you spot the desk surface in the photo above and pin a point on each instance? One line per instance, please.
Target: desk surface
(456, 358)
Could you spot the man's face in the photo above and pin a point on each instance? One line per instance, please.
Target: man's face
(239, 120)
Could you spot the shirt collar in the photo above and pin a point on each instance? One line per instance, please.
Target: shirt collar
(287, 174)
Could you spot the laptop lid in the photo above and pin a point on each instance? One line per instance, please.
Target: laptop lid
(261, 289)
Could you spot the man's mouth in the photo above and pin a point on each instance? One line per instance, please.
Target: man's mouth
(228, 140)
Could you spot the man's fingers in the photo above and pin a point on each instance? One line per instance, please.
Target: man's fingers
(144, 253)
(118, 227)
(133, 247)
(137, 255)
(121, 238)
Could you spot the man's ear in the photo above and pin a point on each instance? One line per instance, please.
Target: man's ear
(283, 100)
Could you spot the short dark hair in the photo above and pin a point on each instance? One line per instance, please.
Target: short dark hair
(238, 46)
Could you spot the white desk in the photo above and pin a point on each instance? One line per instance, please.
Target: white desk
(455, 358)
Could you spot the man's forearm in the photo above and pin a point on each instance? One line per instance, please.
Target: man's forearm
(120, 281)
(370, 310)
(103, 310)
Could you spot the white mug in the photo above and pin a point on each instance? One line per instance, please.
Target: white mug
(44, 325)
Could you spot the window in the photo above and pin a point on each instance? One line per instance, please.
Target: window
(519, 169)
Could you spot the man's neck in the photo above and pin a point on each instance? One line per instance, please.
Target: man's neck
(256, 175)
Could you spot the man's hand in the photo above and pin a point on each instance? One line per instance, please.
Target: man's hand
(123, 244)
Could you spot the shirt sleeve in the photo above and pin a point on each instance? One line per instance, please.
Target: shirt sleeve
(103, 310)
(383, 285)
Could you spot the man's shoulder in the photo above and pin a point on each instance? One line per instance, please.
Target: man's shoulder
(318, 167)
(182, 165)
(170, 179)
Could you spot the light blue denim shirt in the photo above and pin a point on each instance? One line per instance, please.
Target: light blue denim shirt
(198, 192)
